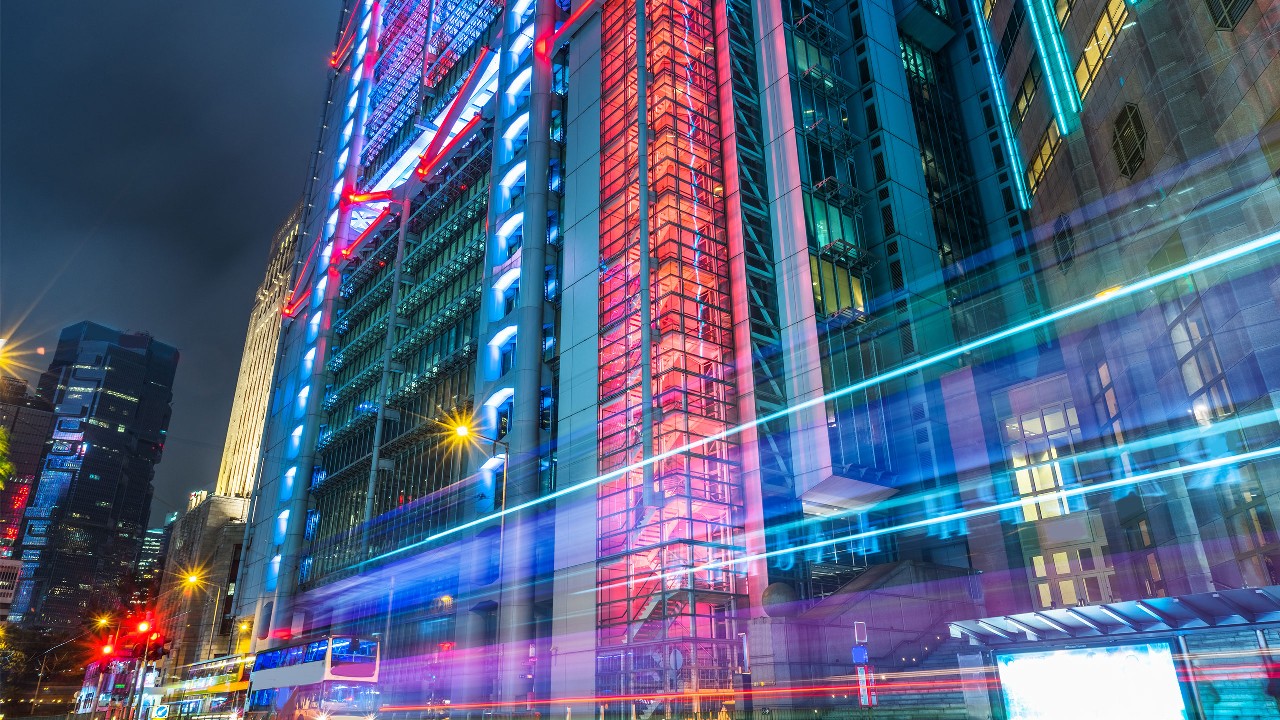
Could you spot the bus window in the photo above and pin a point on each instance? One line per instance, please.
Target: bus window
(352, 657)
(294, 655)
(315, 651)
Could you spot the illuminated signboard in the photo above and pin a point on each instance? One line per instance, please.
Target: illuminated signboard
(1125, 681)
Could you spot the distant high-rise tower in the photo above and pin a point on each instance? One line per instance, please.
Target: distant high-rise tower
(27, 420)
(149, 567)
(257, 364)
(82, 531)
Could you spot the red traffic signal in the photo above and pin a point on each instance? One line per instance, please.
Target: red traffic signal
(108, 649)
(144, 626)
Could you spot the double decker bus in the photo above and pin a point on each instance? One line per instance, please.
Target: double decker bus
(330, 678)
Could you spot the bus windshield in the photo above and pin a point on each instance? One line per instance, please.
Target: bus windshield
(353, 657)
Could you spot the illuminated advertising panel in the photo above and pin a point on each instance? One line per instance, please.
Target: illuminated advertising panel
(1125, 681)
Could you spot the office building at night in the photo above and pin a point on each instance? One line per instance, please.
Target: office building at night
(27, 420)
(776, 354)
(205, 544)
(243, 445)
(84, 526)
(148, 568)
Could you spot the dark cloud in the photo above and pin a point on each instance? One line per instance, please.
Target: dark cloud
(147, 152)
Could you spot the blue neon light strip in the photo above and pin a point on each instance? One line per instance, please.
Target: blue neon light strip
(1135, 288)
(1002, 107)
(1057, 67)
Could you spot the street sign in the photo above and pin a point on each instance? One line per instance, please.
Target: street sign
(162, 711)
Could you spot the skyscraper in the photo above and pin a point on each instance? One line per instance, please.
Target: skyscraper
(84, 526)
(148, 568)
(662, 358)
(257, 364)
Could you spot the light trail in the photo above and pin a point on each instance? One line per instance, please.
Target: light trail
(1174, 441)
(1236, 459)
(1124, 291)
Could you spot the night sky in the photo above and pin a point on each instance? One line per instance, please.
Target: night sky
(148, 151)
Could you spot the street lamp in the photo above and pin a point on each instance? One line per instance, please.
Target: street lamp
(463, 431)
(195, 581)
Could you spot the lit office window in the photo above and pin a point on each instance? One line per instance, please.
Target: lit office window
(1040, 446)
(1063, 10)
(1100, 43)
(1040, 162)
(1021, 104)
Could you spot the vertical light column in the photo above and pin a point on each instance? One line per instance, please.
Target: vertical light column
(661, 630)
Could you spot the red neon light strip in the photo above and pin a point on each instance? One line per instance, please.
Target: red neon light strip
(346, 252)
(455, 109)
(428, 166)
(548, 44)
(291, 308)
(294, 300)
(369, 197)
(344, 42)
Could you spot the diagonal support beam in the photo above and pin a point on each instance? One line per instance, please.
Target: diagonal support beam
(431, 154)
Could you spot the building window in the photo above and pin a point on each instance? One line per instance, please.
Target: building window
(1102, 390)
(1226, 13)
(1060, 579)
(1146, 562)
(1129, 141)
(1010, 36)
(1040, 162)
(1021, 104)
(1197, 359)
(1063, 10)
(1040, 446)
(836, 290)
(1099, 45)
(918, 63)
(1064, 243)
(1252, 528)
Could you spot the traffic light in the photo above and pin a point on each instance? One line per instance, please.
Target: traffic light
(138, 633)
(158, 646)
(108, 650)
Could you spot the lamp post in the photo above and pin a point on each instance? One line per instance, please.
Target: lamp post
(195, 581)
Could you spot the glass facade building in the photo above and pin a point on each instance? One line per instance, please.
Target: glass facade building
(84, 527)
(808, 357)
